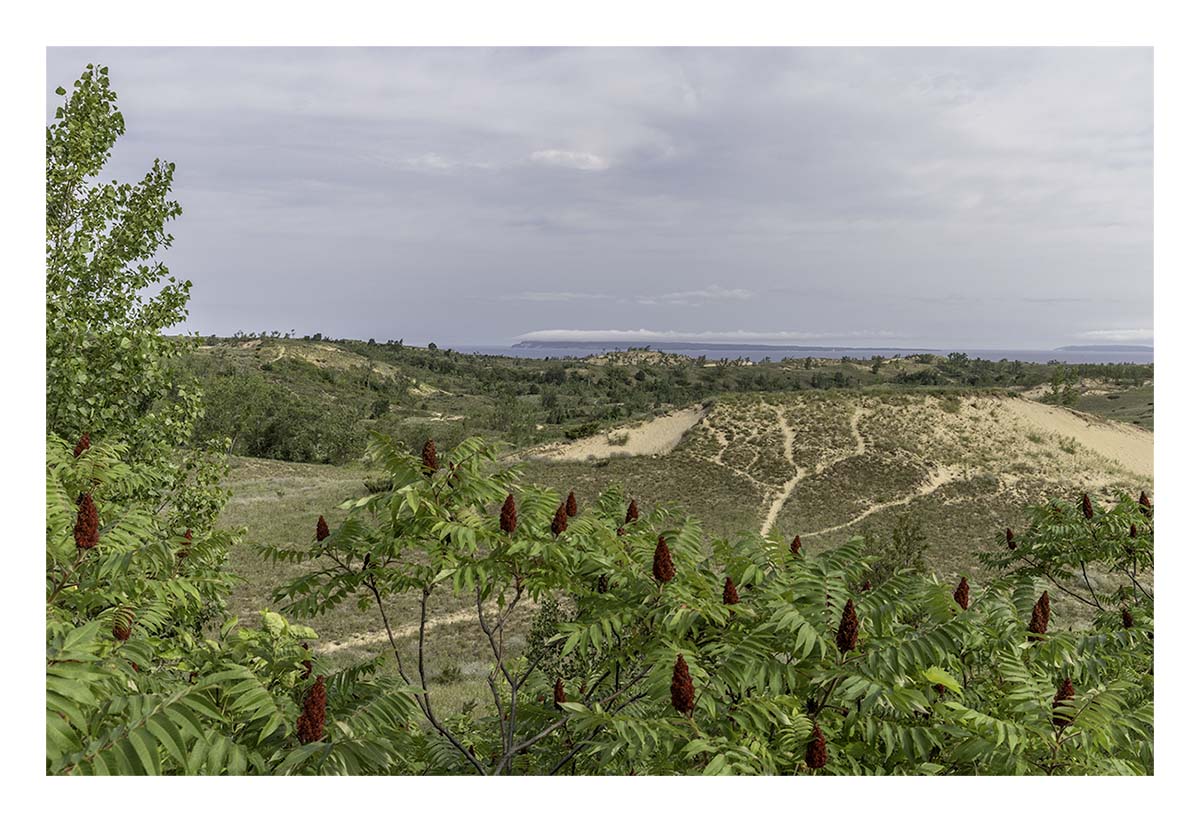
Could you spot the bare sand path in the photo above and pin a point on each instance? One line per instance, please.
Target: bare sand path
(789, 442)
(656, 436)
(408, 631)
(789, 439)
(937, 478)
(1128, 445)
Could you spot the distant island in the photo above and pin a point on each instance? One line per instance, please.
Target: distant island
(1142, 348)
(703, 346)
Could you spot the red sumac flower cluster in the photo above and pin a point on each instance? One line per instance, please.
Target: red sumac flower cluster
(962, 594)
(1040, 620)
(508, 515)
(87, 524)
(664, 568)
(683, 694)
(847, 632)
(310, 727)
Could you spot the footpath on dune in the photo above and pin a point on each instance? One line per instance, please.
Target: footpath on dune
(369, 638)
(1128, 445)
(656, 436)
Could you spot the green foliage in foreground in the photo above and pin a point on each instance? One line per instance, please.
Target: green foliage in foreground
(927, 687)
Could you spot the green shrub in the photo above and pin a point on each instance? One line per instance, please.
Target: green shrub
(924, 686)
(586, 429)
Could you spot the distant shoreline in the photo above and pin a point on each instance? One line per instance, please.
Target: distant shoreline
(656, 345)
(581, 349)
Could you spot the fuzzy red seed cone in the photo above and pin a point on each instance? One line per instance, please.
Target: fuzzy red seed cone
(1086, 506)
(85, 442)
(123, 624)
(683, 695)
(572, 506)
(1126, 618)
(730, 596)
(310, 727)
(631, 513)
(866, 586)
(559, 523)
(1132, 531)
(664, 568)
(1066, 693)
(560, 692)
(962, 594)
(847, 632)
(87, 524)
(322, 529)
(1011, 539)
(1144, 504)
(1039, 622)
(940, 688)
(796, 546)
(816, 755)
(429, 458)
(508, 515)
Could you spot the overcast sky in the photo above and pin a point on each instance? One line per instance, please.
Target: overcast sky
(906, 197)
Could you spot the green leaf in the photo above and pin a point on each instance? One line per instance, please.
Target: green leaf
(940, 677)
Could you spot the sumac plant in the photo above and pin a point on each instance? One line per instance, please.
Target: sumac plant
(904, 681)
(145, 674)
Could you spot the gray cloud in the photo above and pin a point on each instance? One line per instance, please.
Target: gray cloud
(708, 294)
(960, 197)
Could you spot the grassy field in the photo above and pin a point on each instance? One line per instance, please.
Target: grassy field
(825, 465)
(278, 503)
(1131, 405)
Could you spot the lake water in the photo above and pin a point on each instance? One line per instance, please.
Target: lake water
(717, 352)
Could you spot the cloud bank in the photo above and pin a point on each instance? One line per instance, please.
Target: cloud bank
(960, 197)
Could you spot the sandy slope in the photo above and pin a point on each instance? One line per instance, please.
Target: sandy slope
(656, 436)
(1128, 445)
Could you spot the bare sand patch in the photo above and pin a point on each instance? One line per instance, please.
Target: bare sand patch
(656, 436)
(362, 640)
(1128, 445)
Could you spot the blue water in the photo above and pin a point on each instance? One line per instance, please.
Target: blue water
(717, 352)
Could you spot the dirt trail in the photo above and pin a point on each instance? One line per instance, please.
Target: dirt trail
(1128, 445)
(656, 436)
(789, 439)
(378, 637)
(940, 476)
(789, 442)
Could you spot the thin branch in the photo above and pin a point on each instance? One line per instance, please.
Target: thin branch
(554, 726)
(429, 714)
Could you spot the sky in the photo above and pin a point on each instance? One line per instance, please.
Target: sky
(942, 198)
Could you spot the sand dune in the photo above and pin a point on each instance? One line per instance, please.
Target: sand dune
(656, 436)
(1128, 445)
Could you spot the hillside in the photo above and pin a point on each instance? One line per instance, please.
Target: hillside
(316, 400)
(822, 465)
